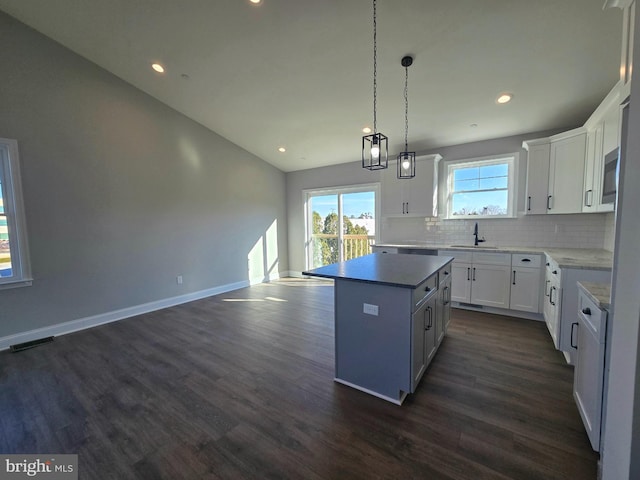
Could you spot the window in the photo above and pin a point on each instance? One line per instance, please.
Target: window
(341, 223)
(481, 187)
(14, 258)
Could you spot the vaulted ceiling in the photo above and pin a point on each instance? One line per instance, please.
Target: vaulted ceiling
(299, 73)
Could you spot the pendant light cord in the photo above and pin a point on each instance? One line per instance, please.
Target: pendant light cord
(375, 68)
(406, 108)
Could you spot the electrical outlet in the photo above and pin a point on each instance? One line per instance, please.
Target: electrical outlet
(370, 309)
(179, 279)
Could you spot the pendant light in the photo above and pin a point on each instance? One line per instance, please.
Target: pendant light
(375, 147)
(406, 159)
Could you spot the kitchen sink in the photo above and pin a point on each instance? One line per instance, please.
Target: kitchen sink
(483, 247)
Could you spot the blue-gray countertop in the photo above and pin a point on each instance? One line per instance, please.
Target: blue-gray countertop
(399, 270)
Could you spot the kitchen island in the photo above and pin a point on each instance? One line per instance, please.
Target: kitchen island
(391, 313)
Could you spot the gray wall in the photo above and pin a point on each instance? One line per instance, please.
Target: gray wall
(122, 193)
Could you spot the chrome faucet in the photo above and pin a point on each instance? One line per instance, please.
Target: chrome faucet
(475, 233)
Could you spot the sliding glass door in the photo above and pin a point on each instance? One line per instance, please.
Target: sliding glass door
(341, 223)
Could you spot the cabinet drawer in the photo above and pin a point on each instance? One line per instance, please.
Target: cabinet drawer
(377, 249)
(524, 260)
(458, 256)
(492, 258)
(425, 289)
(591, 316)
(443, 274)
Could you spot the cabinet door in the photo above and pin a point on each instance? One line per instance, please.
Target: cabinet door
(418, 347)
(611, 130)
(525, 289)
(461, 282)
(444, 309)
(391, 194)
(430, 330)
(410, 197)
(566, 174)
(419, 191)
(537, 179)
(588, 380)
(440, 313)
(490, 285)
(592, 167)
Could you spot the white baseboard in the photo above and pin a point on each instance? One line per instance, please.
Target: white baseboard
(108, 317)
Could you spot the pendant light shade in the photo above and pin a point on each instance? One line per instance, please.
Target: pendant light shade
(406, 159)
(375, 147)
(375, 151)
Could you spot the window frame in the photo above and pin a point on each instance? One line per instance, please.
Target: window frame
(511, 159)
(337, 190)
(14, 212)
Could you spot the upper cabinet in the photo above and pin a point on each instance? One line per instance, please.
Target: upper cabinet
(537, 175)
(603, 136)
(411, 197)
(566, 172)
(555, 170)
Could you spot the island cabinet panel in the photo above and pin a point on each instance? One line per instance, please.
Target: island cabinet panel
(372, 351)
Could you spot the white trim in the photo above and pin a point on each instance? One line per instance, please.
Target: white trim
(114, 316)
(512, 159)
(371, 392)
(14, 208)
(307, 193)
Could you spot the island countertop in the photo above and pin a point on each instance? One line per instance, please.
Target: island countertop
(398, 270)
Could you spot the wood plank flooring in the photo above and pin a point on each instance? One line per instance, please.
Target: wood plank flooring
(241, 386)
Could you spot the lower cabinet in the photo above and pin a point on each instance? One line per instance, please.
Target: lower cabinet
(480, 278)
(525, 283)
(588, 381)
(429, 326)
(443, 307)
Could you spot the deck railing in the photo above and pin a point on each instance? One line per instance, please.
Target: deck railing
(353, 246)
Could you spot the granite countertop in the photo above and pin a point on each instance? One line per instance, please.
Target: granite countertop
(578, 258)
(599, 293)
(401, 270)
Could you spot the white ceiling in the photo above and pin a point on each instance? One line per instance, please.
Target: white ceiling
(299, 73)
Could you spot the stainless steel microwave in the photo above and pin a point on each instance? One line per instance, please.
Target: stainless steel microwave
(610, 176)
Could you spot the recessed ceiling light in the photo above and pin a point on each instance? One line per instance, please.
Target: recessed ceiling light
(504, 98)
(366, 130)
(157, 67)
(282, 149)
(255, 2)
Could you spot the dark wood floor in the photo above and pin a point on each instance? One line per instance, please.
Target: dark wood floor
(244, 389)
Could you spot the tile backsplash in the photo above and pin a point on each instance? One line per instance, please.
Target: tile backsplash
(560, 231)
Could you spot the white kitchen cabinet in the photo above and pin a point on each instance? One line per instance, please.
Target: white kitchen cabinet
(461, 282)
(525, 283)
(593, 169)
(566, 173)
(588, 379)
(484, 280)
(555, 173)
(561, 301)
(412, 197)
(552, 300)
(603, 135)
(537, 176)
